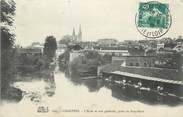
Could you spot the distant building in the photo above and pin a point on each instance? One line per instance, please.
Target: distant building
(148, 44)
(135, 61)
(166, 51)
(114, 52)
(163, 49)
(29, 51)
(79, 34)
(150, 52)
(60, 49)
(179, 40)
(180, 43)
(75, 54)
(160, 46)
(132, 44)
(37, 45)
(165, 40)
(88, 45)
(179, 47)
(107, 42)
(74, 37)
(78, 37)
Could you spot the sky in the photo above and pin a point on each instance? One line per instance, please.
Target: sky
(36, 19)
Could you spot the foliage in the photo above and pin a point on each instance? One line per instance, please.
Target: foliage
(172, 61)
(89, 62)
(50, 47)
(179, 39)
(170, 44)
(87, 65)
(136, 51)
(66, 39)
(63, 61)
(7, 43)
(83, 67)
(97, 58)
(7, 69)
(7, 39)
(7, 11)
(92, 55)
(74, 47)
(31, 64)
(107, 58)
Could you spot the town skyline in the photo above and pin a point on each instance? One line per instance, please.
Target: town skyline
(99, 20)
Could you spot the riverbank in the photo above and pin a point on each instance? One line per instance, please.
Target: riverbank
(14, 94)
(77, 97)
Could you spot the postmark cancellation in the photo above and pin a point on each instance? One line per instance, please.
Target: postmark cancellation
(153, 19)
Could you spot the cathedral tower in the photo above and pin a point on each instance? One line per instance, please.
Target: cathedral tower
(74, 37)
(79, 34)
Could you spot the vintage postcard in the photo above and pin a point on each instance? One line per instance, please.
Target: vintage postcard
(91, 58)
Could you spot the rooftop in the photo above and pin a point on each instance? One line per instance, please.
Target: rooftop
(147, 77)
(28, 50)
(160, 73)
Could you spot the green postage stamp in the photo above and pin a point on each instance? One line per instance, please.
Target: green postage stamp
(153, 19)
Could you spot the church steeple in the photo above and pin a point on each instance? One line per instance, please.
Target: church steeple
(74, 34)
(80, 34)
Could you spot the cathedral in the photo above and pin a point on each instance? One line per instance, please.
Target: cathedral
(75, 37)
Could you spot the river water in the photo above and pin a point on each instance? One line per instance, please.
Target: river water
(79, 99)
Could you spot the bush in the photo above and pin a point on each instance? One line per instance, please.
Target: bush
(31, 64)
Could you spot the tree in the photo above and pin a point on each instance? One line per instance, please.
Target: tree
(7, 14)
(87, 64)
(66, 40)
(50, 47)
(30, 64)
(107, 59)
(7, 42)
(171, 61)
(136, 51)
(63, 60)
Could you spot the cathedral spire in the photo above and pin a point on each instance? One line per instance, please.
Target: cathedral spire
(73, 32)
(80, 34)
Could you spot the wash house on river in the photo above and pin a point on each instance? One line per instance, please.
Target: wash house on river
(140, 73)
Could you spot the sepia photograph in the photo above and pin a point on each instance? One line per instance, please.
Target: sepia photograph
(91, 58)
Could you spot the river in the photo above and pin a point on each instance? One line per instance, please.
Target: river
(67, 97)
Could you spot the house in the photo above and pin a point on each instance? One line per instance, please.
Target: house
(107, 42)
(160, 46)
(75, 54)
(179, 47)
(37, 45)
(60, 49)
(135, 61)
(113, 50)
(29, 51)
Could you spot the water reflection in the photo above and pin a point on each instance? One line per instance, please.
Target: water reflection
(50, 84)
(93, 85)
(85, 94)
(129, 92)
